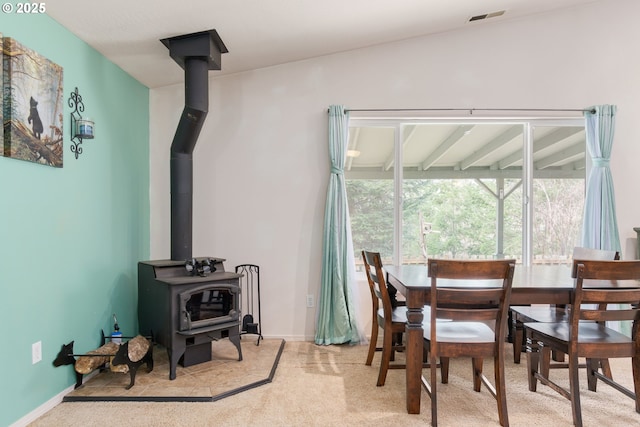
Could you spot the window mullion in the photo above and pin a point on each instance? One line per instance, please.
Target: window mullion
(397, 195)
(527, 195)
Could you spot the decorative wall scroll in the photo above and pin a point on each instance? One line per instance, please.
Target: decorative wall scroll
(32, 106)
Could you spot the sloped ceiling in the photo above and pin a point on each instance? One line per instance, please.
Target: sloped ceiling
(263, 33)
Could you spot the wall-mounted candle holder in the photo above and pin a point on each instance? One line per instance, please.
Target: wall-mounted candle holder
(81, 128)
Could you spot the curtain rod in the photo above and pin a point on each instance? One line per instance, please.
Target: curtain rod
(471, 110)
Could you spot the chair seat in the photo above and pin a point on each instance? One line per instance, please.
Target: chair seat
(544, 314)
(521, 314)
(464, 332)
(398, 315)
(588, 332)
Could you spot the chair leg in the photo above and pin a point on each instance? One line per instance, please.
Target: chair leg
(476, 364)
(545, 361)
(592, 380)
(387, 349)
(574, 390)
(372, 343)
(557, 356)
(533, 363)
(434, 394)
(635, 368)
(396, 340)
(444, 369)
(518, 336)
(501, 394)
(606, 368)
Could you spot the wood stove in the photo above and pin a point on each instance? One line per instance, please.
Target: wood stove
(182, 311)
(185, 312)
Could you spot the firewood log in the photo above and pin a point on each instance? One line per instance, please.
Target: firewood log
(86, 364)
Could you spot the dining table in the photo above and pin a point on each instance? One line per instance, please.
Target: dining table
(535, 284)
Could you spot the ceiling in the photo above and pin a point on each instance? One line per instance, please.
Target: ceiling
(263, 33)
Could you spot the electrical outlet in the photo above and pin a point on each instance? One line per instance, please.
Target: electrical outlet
(309, 300)
(36, 352)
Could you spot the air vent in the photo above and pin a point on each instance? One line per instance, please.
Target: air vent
(486, 16)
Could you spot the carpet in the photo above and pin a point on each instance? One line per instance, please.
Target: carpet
(221, 377)
(330, 386)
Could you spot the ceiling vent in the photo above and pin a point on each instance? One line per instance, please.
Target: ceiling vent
(486, 16)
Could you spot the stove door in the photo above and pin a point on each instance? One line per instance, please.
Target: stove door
(208, 305)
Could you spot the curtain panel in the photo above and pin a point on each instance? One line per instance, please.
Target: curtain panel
(599, 225)
(336, 322)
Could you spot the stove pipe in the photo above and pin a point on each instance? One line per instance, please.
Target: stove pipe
(196, 53)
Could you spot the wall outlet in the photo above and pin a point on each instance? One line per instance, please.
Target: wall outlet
(310, 302)
(36, 352)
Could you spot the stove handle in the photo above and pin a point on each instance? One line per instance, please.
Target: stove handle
(187, 316)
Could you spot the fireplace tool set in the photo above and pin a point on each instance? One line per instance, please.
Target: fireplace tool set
(250, 287)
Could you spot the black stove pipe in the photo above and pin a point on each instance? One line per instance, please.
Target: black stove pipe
(197, 53)
(184, 141)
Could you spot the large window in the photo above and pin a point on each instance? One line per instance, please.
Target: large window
(466, 189)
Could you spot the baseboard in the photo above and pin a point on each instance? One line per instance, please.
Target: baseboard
(47, 406)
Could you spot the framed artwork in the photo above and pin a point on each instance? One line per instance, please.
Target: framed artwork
(2, 82)
(32, 107)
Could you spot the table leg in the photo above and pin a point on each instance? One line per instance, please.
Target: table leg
(415, 345)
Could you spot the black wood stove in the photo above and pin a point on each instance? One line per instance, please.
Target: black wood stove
(185, 312)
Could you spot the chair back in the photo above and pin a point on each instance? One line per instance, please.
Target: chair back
(473, 297)
(582, 253)
(471, 290)
(620, 285)
(377, 283)
(369, 273)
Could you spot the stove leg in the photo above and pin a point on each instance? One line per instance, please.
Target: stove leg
(234, 337)
(174, 355)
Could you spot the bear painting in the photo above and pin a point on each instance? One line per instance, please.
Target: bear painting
(32, 105)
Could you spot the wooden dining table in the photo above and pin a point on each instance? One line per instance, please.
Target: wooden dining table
(536, 284)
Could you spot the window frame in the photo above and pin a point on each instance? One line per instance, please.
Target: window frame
(529, 124)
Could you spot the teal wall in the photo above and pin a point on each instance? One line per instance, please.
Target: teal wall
(70, 237)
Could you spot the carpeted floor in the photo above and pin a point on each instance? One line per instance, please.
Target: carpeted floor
(223, 376)
(331, 386)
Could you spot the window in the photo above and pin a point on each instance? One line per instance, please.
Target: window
(466, 189)
(371, 195)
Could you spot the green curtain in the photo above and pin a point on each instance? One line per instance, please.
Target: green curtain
(336, 317)
(599, 225)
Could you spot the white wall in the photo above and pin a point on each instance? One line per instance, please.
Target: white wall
(261, 163)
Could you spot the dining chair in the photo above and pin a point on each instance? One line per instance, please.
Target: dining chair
(472, 296)
(546, 314)
(391, 318)
(586, 334)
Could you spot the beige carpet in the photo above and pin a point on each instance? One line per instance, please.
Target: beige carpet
(221, 377)
(331, 386)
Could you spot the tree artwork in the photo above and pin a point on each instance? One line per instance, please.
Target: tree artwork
(32, 105)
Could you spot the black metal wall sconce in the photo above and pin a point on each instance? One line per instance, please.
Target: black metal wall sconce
(81, 128)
